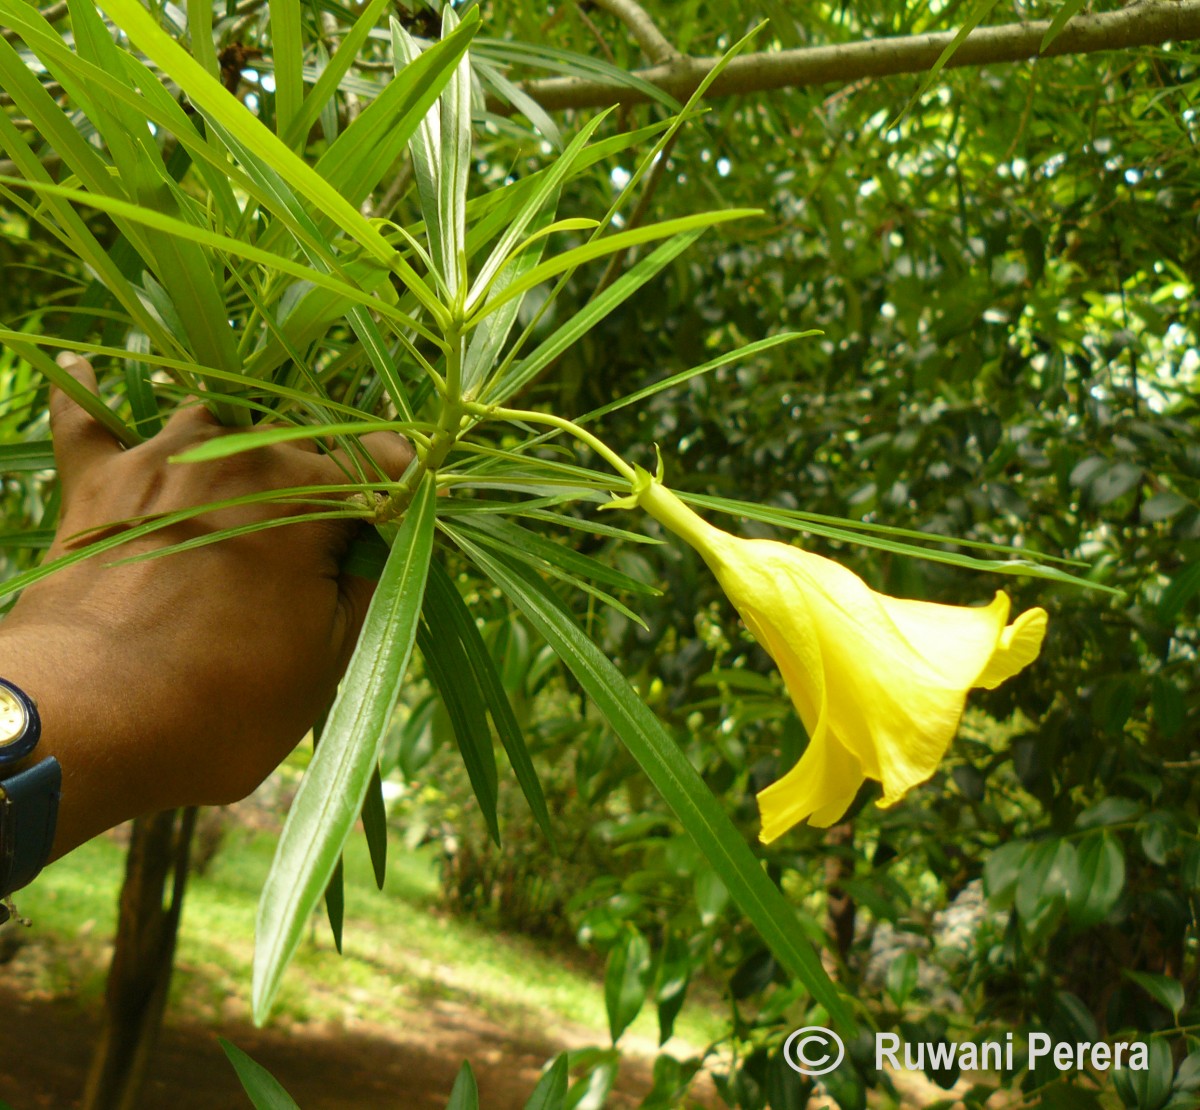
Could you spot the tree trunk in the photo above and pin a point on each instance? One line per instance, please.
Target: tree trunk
(140, 974)
(842, 910)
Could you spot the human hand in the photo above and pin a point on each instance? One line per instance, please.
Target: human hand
(182, 679)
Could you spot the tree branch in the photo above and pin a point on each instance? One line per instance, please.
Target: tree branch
(644, 30)
(1146, 24)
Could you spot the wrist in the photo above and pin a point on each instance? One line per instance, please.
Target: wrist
(63, 669)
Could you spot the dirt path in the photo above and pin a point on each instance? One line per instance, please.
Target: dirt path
(47, 1045)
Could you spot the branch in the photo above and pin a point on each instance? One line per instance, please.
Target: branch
(644, 30)
(1145, 24)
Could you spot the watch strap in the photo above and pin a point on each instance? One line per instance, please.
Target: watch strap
(28, 815)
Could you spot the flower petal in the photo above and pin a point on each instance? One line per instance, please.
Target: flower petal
(1018, 647)
(879, 682)
(820, 788)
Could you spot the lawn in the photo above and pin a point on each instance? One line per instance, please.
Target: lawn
(403, 957)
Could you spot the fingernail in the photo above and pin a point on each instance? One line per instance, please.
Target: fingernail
(67, 359)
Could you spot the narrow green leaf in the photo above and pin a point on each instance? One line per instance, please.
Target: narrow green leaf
(37, 454)
(236, 442)
(489, 337)
(271, 191)
(374, 819)
(124, 130)
(37, 539)
(136, 528)
(424, 145)
(151, 99)
(547, 190)
(626, 980)
(183, 268)
(335, 903)
(739, 354)
(579, 523)
(319, 308)
(335, 892)
(332, 792)
(488, 214)
(184, 230)
(80, 394)
(287, 53)
(610, 244)
(694, 103)
(512, 536)
(327, 84)
(519, 376)
(178, 367)
(1067, 11)
(974, 17)
(786, 518)
(551, 1091)
(200, 35)
(450, 252)
(357, 161)
(465, 1095)
(447, 667)
(452, 607)
(329, 110)
(674, 777)
(383, 361)
(17, 79)
(138, 388)
(212, 98)
(525, 104)
(205, 539)
(265, 1091)
(546, 567)
(507, 51)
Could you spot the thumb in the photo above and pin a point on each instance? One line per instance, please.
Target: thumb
(79, 441)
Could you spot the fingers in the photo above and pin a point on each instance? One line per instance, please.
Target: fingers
(379, 456)
(190, 421)
(391, 453)
(79, 441)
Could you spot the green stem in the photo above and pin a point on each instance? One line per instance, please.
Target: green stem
(530, 417)
(648, 493)
(431, 457)
(676, 517)
(454, 364)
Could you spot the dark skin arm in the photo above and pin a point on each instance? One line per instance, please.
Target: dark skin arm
(182, 680)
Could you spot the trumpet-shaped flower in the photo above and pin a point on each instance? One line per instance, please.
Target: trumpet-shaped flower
(879, 682)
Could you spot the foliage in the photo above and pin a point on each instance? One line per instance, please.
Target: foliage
(1003, 279)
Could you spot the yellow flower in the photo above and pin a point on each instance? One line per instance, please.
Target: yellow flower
(879, 682)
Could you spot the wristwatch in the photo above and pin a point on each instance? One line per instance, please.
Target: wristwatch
(28, 797)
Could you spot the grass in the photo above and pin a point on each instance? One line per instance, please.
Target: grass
(402, 955)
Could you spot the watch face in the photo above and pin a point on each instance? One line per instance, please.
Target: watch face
(14, 718)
